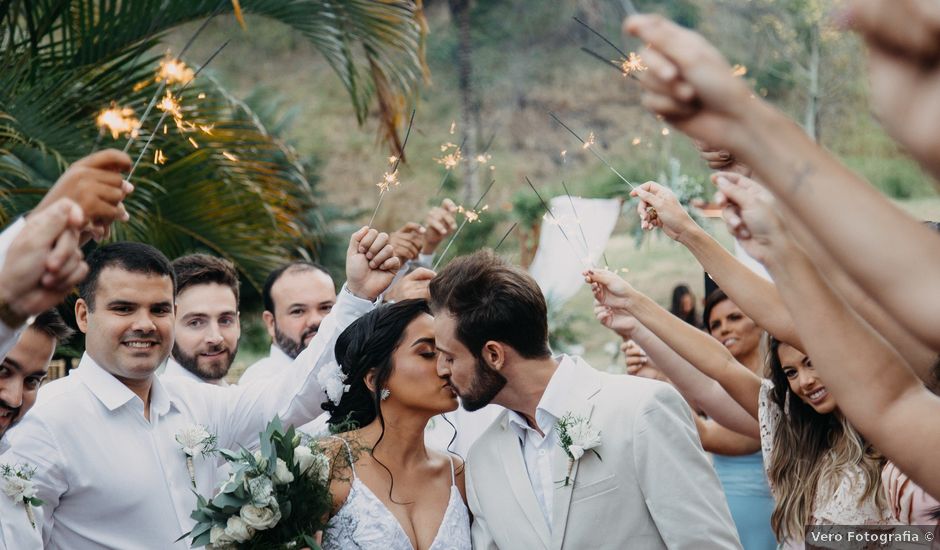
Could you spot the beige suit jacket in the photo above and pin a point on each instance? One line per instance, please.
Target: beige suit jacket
(652, 487)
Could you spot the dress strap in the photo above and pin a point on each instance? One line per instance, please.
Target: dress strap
(453, 473)
(352, 467)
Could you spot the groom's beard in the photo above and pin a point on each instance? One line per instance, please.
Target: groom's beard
(487, 383)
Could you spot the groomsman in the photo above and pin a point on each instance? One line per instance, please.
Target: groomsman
(103, 440)
(580, 458)
(297, 297)
(207, 327)
(25, 367)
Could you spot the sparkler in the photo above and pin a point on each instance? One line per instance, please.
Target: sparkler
(462, 224)
(548, 209)
(500, 243)
(391, 177)
(117, 121)
(163, 116)
(650, 210)
(629, 7)
(440, 186)
(163, 83)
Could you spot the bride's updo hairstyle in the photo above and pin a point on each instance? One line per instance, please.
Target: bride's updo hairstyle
(365, 346)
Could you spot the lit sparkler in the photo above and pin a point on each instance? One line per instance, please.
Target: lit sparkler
(500, 243)
(465, 221)
(632, 64)
(163, 116)
(391, 176)
(174, 71)
(117, 121)
(548, 212)
(739, 70)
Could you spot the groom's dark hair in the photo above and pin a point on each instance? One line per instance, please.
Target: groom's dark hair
(493, 300)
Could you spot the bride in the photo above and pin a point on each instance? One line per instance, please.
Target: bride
(389, 491)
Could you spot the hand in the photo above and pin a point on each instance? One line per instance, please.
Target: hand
(669, 214)
(609, 290)
(371, 264)
(910, 28)
(689, 83)
(44, 262)
(638, 363)
(749, 213)
(96, 184)
(441, 222)
(622, 323)
(722, 160)
(407, 241)
(412, 285)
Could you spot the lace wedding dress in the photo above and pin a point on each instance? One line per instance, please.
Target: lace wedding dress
(365, 523)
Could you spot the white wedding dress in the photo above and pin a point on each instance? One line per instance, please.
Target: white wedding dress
(365, 523)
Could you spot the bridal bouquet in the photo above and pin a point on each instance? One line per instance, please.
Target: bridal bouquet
(276, 497)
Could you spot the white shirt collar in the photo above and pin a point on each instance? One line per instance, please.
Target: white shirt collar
(551, 406)
(278, 355)
(112, 393)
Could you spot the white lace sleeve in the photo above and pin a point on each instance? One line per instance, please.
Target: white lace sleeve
(768, 415)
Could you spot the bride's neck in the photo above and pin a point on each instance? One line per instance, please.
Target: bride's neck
(403, 437)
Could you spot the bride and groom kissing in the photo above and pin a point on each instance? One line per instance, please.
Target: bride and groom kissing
(578, 458)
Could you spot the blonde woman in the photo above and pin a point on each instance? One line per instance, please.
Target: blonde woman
(820, 469)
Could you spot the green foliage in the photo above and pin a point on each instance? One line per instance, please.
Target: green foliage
(237, 192)
(899, 178)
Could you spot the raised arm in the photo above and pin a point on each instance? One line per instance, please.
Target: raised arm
(872, 385)
(691, 85)
(696, 347)
(700, 390)
(756, 296)
(241, 412)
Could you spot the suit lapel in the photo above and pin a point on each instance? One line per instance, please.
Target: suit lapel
(519, 480)
(579, 405)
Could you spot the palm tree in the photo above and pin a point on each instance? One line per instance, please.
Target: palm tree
(224, 184)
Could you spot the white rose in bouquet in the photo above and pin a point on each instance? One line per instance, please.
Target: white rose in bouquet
(260, 518)
(303, 458)
(238, 530)
(219, 539)
(262, 462)
(282, 475)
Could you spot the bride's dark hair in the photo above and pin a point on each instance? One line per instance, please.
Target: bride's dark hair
(366, 346)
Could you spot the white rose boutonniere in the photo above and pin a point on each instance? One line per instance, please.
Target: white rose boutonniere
(576, 436)
(195, 439)
(18, 485)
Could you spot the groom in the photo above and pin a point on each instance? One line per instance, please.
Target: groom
(643, 482)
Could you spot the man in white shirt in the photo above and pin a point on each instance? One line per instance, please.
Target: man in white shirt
(102, 440)
(297, 297)
(207, 327)
(580, 458)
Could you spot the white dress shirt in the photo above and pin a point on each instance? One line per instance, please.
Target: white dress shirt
(9, 336)
(266, 367)
(536, 448)
(111, 479)
(174, 370)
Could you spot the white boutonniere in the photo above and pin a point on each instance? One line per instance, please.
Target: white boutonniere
(576, 436)
(195, 439)
(18, 485)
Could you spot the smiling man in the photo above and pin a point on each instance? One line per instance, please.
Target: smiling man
(207, 321)
(23, 370)
(103, 441)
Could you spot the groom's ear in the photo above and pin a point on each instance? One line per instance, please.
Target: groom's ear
(494, 353)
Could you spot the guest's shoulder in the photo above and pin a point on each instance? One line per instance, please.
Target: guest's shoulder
(59, 395)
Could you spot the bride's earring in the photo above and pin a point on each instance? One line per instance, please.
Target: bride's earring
(383, 395)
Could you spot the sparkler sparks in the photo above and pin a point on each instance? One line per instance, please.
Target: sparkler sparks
(637, 141)
(117, 121)
(159, 157)
(174, 71)
(590, 141)
(739, 70)
(452, 157)
(463, 223)
(587, 145)
(472, 215)
(171, 106)
(229, 156)
(453, 127)
(193, 143)
(632, 64)
(389, 179)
